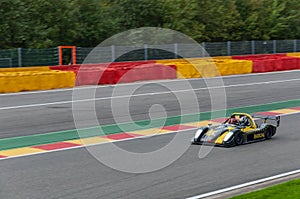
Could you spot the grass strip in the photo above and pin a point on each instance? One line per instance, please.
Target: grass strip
(288, 190)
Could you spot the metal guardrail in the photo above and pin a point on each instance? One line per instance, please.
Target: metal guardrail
(44, 57)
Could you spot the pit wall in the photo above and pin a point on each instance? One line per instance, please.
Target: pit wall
(53, 77)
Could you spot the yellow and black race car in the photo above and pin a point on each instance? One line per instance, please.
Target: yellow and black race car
(239, 129)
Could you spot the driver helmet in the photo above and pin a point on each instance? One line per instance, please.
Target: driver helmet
(244, 121)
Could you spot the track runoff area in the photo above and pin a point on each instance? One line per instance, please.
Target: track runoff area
(64, 145)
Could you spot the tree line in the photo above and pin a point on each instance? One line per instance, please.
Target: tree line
(50, 23)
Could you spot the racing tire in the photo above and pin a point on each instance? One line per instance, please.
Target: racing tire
(238, 139)
(268, 133)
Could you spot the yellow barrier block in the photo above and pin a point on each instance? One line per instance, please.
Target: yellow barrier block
(222, 57)
(209, 67)
(206, 67)
(22, 69)
(293, 54)
(35, 80)
(194, 67)
(186, 68)
(234, 67)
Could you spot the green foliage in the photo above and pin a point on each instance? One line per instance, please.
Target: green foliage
(12, 24)
(50, 23)
(270, 19)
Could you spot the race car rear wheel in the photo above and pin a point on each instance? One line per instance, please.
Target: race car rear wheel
(268, 133)
(238, 140)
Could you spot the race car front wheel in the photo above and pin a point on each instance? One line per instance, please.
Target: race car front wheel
(238, 140)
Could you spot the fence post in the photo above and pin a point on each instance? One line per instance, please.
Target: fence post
(58, 53)
(74, 55)
(113, 53)
(145, 52)
(295, 45)
(228, 48)
(20, 57)
(60, 56)
(274, 46)
(204, 50)
(176, 50)
(253, 47)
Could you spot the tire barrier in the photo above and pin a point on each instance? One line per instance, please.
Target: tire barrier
(270, 63)
(35, 80)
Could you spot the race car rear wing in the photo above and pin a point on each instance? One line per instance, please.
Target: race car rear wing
(268, 117)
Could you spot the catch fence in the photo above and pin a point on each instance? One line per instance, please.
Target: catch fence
(22, 57)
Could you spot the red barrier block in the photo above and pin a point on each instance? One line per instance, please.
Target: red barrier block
(146, 72)
(260, 66)
(109, 76)
(279, 64)
(271, 62)
(87, 77)
(119, 72)
(290, 63)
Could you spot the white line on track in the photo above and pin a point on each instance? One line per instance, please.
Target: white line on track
(145, 94)
(137, 83)
(205, 195)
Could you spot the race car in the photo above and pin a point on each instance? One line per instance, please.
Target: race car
(238, 129)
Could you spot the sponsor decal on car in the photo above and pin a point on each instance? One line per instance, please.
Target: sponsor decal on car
(258, 136)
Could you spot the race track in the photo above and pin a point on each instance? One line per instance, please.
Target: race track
(76, 174)
(43, 112)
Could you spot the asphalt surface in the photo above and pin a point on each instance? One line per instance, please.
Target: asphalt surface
(77, 174)
(43, 112)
